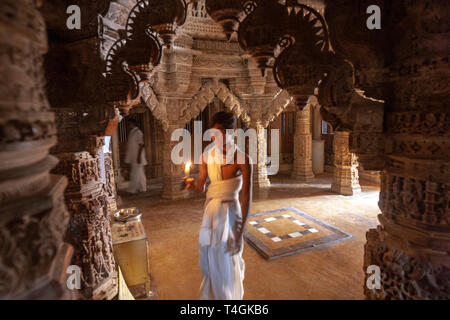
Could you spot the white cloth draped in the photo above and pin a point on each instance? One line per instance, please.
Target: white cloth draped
(223, 273)
(138, 180)
(135, 139)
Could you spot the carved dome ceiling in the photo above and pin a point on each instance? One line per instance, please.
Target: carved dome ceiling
(199, 25)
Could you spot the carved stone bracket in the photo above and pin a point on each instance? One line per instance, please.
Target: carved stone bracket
(157, 108)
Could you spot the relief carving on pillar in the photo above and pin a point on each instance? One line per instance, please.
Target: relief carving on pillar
(110, 186)
(405, 274)
(89, 226)
(411, 245)
(32, 247)
(415, 201)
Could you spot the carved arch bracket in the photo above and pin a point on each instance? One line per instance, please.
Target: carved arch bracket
(206, 95)
(278, 104)
(156, 107)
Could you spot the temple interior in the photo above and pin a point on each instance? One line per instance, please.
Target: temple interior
(351, 123)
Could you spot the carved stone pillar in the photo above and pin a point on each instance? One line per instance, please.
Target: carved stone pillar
(345, 173)
(412, 244)
(260, 179)
(83, 118)
(89, 229)
(302, 166)
(173, 174)
(33, 218)
(110, 183)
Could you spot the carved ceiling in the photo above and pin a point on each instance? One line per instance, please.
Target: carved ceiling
(302, 43)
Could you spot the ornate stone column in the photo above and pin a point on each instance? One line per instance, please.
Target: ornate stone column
(173, 174)
(412, 243)
(302, 166)
(90, 199)
(345, 173)
(260, 179)
(405, 64)
(33, 218)
(89, 227)
(84, 115)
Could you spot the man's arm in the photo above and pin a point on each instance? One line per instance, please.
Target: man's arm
(246, 195)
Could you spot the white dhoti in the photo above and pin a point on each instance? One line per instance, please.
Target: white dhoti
(223, 273)
(138, 180)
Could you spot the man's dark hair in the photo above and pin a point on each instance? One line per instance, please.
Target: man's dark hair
(226, 119)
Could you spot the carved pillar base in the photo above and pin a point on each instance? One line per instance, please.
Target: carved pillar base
(345, 173)
(89, 230)
(302, 171)
(172, 188)
(408, 269)
(345, 181)
(302, 166)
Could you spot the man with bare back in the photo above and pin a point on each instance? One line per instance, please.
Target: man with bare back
(221, 235)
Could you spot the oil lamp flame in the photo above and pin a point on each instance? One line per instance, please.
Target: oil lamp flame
(187, 168)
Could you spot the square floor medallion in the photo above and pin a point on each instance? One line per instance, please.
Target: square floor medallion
(286, 231)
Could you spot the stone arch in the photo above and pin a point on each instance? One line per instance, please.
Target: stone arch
(206, 95)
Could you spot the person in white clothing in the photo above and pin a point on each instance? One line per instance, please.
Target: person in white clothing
(224, 217)
(135, 156)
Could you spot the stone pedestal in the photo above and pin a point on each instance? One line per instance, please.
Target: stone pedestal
(302, 166)
(345, 174)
